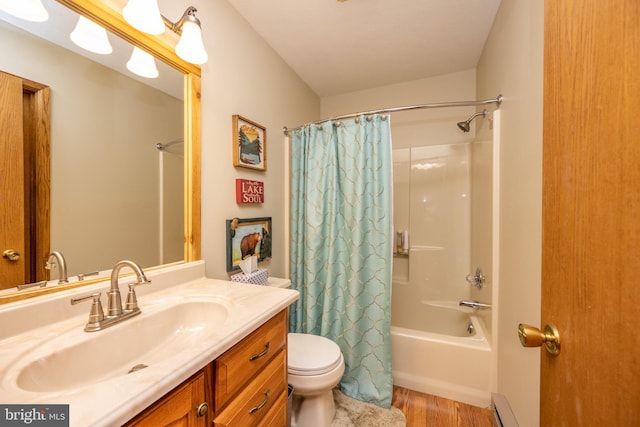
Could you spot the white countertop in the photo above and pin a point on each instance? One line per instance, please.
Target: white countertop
(114, 401)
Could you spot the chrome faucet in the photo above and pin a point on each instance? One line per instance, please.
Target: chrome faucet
(60, 262)
(115, 313)
(474, 304)
(114, 307)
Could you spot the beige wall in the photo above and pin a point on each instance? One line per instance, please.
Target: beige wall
(511, 64)
(243, 76)
(458, 86)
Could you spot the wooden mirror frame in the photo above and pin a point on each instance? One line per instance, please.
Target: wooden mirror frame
(108, 14)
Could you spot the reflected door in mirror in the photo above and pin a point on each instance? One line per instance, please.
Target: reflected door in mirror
(24, 183)
(12, 271)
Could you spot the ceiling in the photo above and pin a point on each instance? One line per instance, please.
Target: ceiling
(343, 46)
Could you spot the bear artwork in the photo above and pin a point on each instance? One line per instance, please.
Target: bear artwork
(265, 244)
(248, 244)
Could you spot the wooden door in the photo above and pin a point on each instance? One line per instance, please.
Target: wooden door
(12, 218)
(24, 179)
(591, 213)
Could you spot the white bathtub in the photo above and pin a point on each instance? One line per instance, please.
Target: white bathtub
(446, 361)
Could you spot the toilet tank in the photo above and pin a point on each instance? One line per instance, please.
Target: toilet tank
(278, 282)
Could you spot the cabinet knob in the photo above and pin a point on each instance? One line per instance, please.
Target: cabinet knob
(202, 409)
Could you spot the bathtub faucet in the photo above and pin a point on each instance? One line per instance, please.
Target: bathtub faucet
(474, 304)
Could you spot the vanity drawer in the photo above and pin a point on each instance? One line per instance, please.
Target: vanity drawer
(278, 416)
(254, 403)
(247, 358)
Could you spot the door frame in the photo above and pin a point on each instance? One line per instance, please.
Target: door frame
(36, 117)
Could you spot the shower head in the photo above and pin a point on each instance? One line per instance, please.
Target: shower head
(465, 126)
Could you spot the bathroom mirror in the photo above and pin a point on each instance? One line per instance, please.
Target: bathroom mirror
(188, 153)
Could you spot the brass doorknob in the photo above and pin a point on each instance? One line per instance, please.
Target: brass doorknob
(530, 336)
(11, 255)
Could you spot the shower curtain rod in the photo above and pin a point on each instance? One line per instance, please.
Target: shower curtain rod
(160, 146)
(497, 101)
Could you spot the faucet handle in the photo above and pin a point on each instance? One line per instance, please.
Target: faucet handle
(476, 279)
(41, 284)
(132, 300)
(96, 315)
(82, 276)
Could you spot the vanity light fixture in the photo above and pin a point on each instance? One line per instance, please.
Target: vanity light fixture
(29, 10)
(91, 36)
(145, 16)
(142, 64)
(190, 47)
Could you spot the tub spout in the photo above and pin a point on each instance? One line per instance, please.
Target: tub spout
(474, 304)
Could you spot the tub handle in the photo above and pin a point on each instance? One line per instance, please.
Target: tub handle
(476, 279)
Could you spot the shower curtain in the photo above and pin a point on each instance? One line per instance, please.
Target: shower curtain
(341, 246)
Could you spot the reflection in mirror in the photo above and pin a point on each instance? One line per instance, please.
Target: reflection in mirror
(116, 151)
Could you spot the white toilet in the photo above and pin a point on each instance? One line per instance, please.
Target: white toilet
(316, 366)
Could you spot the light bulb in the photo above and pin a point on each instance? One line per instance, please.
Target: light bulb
(91, 36)
(190, 47)
(29, 10)
(142, 64)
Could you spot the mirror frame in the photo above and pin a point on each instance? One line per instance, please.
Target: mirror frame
(109, 15)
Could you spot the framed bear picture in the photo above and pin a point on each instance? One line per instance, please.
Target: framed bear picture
(248, 237)
(249, 144)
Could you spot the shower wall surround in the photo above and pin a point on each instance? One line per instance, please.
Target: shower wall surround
(431, 200)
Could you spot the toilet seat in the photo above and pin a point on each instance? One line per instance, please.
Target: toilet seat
(312, 354)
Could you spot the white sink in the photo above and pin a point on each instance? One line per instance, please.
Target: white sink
(187, 321)
(123, 349)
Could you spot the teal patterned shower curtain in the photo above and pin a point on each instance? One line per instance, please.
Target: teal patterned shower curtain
(341, 205)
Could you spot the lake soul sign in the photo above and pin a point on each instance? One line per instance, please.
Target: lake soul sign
(248, 191)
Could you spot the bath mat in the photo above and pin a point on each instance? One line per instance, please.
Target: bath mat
(351, 412)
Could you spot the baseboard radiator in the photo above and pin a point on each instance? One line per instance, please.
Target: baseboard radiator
(502, 413)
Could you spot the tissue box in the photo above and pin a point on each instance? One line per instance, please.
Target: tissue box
(258, 277)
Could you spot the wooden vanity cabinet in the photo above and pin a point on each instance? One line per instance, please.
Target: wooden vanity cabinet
(250, 379)
(183, 406)
(244, 387)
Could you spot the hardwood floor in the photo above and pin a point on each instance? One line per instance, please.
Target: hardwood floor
(423, 410)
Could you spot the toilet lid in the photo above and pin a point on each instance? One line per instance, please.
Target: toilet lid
(312, 354)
